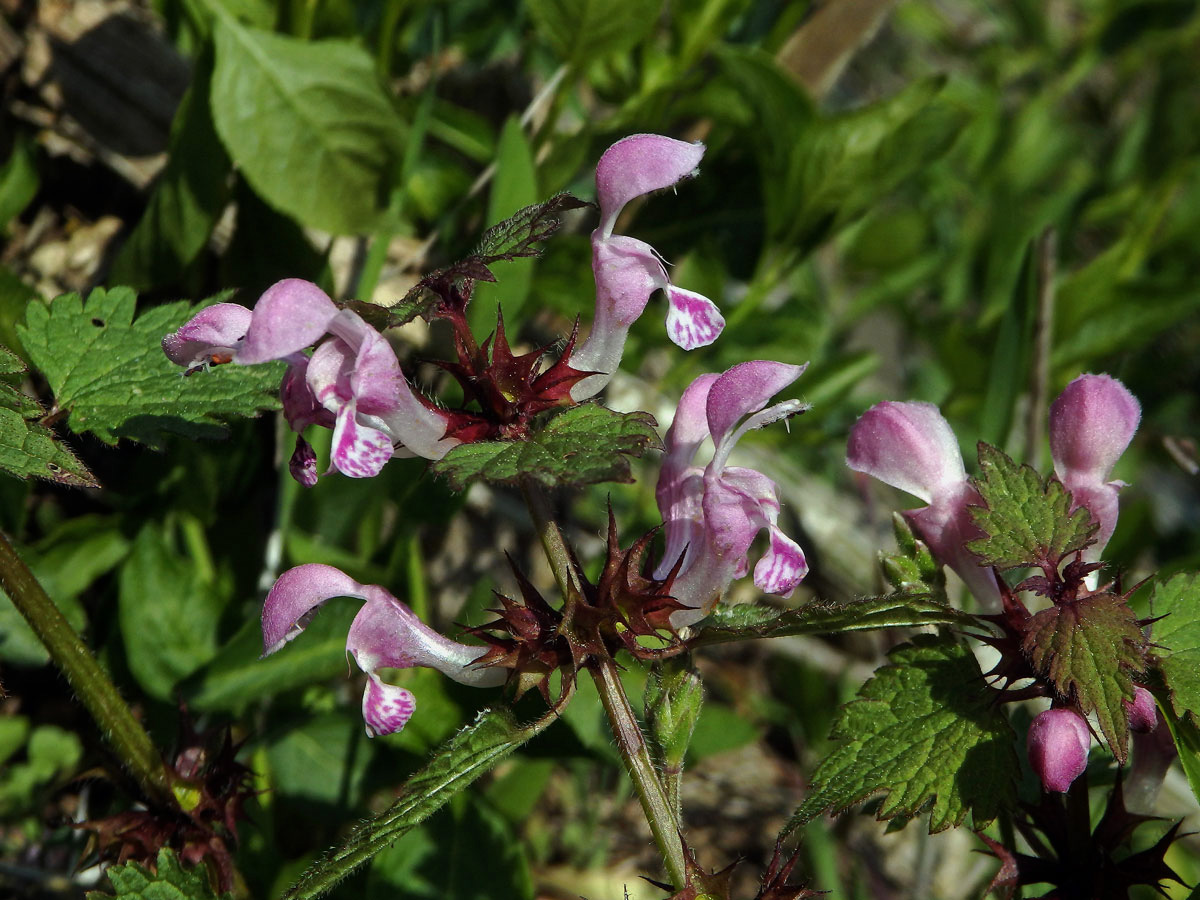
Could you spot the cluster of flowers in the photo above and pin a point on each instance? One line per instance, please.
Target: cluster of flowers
(910, 446)
(352, 383)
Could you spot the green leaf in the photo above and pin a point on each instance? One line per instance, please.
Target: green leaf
(1089, 649)
(584, 30)
(1186, 735)
(170, 881)
(109, 375)
(321, 760)
(750, 622)
(514, 187)
(1027, 519)
(31, 451)
(18, 181)
(913, 570)
(585, 444)
(168, 610)
(461, 760)
(236, 676)
(926, 731)
(307, 124)
(1177, 637)
(190, 195)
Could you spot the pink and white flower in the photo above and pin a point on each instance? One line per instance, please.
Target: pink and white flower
(1091, 423)
(384, 634)
(713, 513)
(352, 383)
(911, 447)
(627, 270)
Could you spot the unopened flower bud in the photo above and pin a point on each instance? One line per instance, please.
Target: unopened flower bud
(1142, 712)
(673, 700)
(1058, 747)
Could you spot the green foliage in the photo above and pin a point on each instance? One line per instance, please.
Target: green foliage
(51, 753)
(1089, 650)
(748, 622)
(28, 450)
(110, 377)
(586, 444)
(674, 696)
(308, 125)
(926, 731)
(466, 756)
(1027, 519)
(18, 181)
(1186, 735)
(169, 880)
(1177, 637)
(585, 30)
(168, 610)
(913, 570)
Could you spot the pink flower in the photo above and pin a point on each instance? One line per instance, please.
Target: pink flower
(384, 634)
(627, 270)
(911, 447)
(352, 383)
(713, 514)
(1142, 712)
(1058, 744)
(1091, 423)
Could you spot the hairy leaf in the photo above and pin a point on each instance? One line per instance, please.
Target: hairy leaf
(308, 125)
(913, 570)
(1178, 637)
(585, 444)
(926, 732)
(1027, 519)
(170, 882)
(750, 622)
(110, 377)
(29, 451)
(461, 760)
(1089, 649)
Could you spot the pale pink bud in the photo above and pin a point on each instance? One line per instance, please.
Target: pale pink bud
(1058, 748)
(1142, 712)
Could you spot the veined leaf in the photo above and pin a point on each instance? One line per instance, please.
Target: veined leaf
(110, 377)
(925, 731)
(170, 882)
(1089, 649)
(1027, 519)
(1178, 637)
(308, 125)
(586, 444)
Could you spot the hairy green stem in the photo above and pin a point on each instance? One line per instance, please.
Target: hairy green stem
(90, 682)
(631, 743)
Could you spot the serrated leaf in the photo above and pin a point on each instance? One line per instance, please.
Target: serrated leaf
(30, 451)
(171, 881)
(1027, 519)
(1178, 637)
(110, 376)
(1089, 649)
(307, 123)
(469, 754)
(586, 444)
(926, 731)
(750, 622)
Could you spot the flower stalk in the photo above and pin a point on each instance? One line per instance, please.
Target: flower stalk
(91, 684)
(631, 742)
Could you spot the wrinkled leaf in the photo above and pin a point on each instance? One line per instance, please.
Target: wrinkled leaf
(1089, 649)
(925, 731)
(586, 444)
(109, 375)
(1027, 519)
(29, 451)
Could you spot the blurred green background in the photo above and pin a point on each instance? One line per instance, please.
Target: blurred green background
(963, 202)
